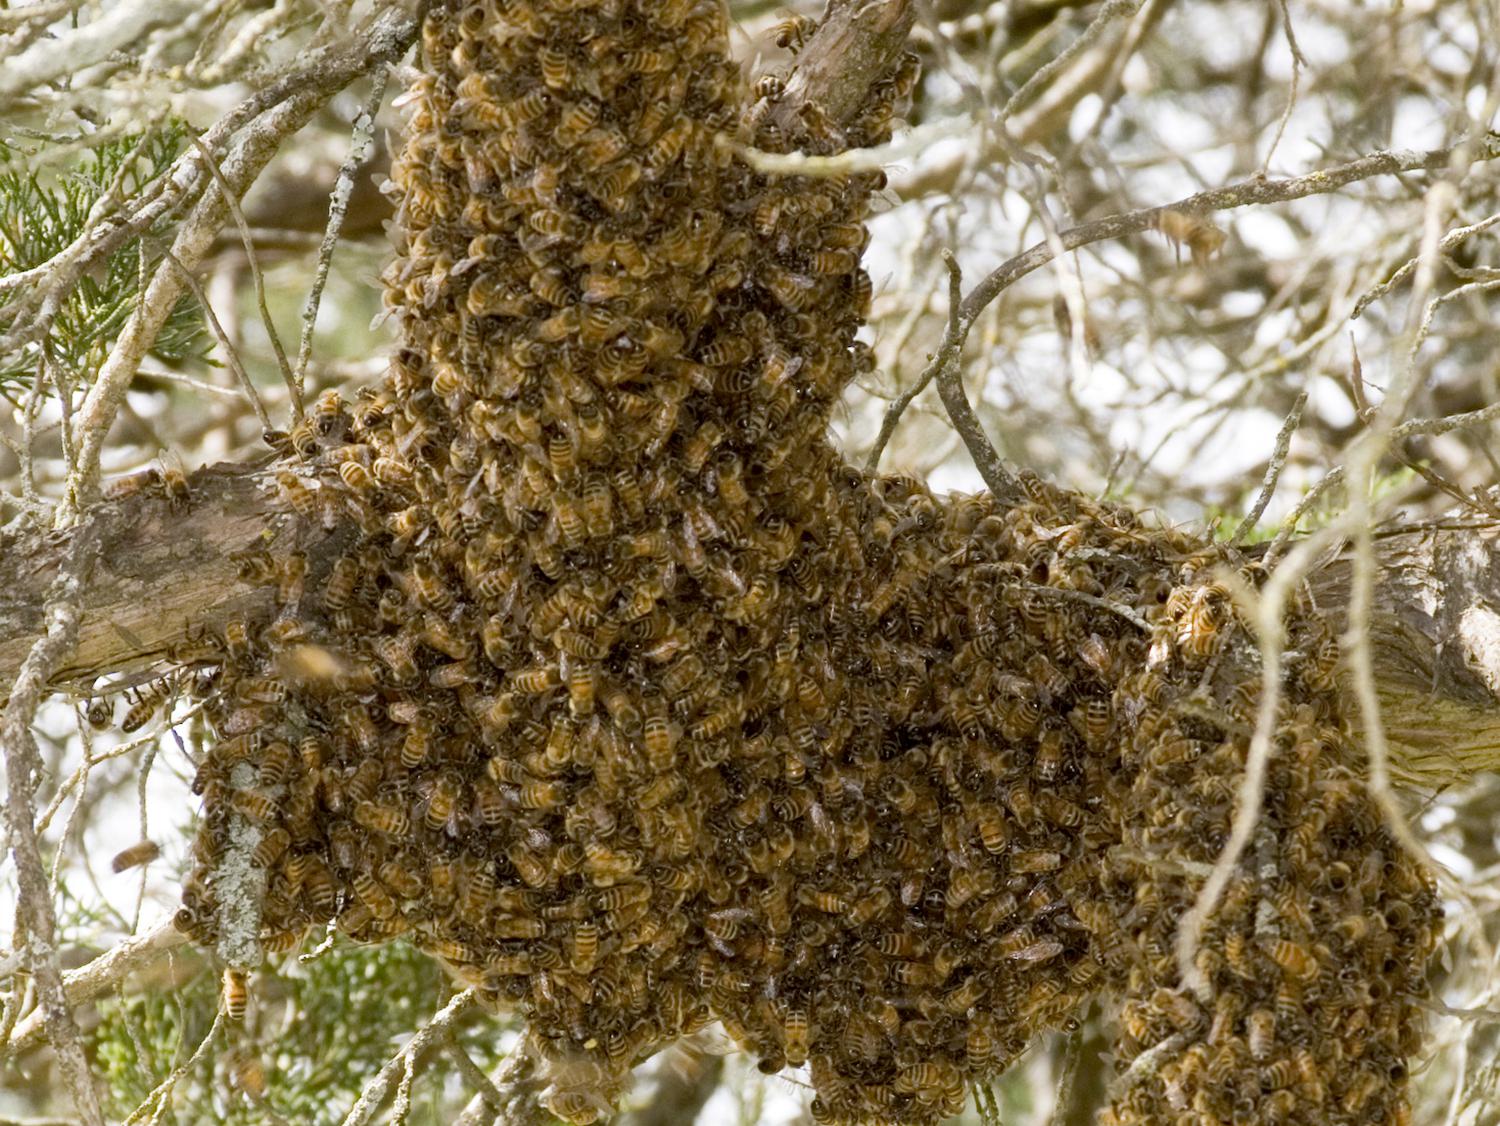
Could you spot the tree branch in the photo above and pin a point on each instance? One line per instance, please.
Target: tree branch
(118, 27)
(97, 978)
(36, 922)
(430, 1034)
(854, 47)
(164, 576)
(962, 315)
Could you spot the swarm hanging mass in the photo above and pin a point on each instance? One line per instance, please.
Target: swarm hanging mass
(636, 706)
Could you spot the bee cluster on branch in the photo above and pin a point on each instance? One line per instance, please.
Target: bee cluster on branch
(637, 707)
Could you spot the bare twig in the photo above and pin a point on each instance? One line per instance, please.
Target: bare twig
(388, 39)
(519, 1088)
(338, 207)
(44, 12)
(1333, 477)
(484, 1089)
(231, 353)
(947, 370)
(1042, 79)
(898, 148)
(231, 198)
(1273, 471)
(22, 767)
(155, 1102)
(1443, 425)
(1449, 241)
(1298, 62)
(944, 366)
(431, 1033)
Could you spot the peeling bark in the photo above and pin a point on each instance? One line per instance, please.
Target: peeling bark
(163, 576)
(1435, 633)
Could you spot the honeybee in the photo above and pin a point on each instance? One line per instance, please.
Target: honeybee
(343, 578)
(1035, 860)
(1261, 1033)
(793, 32)
(173, 481)
(388, 820)
(442, 812)
(1293, 958)
(795, 1035)
(373, 896)
(659, 739)
(234, 993)
(271, 848)
(1237, 953)
(535, 680)
(137, 855)
(1200, 236)
(582, 683)
(318, 884)
(148, 700)
(254, 804)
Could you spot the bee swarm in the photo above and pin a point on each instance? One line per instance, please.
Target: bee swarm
(638, 708)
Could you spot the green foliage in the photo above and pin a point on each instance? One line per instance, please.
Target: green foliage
(320, 1029)
(42, 213)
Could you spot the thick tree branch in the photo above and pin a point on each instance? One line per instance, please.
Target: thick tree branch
(855, 47)
(1435, 641)
(163, 575)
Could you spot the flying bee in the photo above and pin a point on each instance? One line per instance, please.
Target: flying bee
(248, 1072)
(235, 993)
(1201, 237)
(138, 854)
